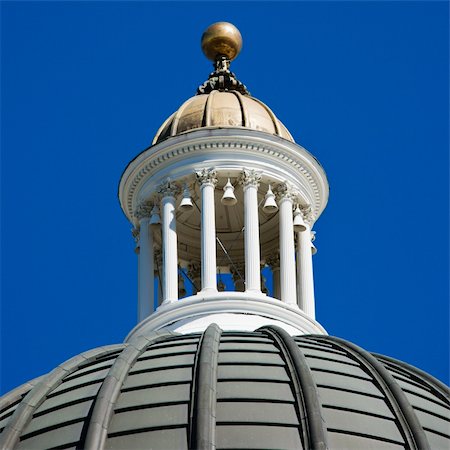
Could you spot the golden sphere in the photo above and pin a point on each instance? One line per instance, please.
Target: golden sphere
(221, 38)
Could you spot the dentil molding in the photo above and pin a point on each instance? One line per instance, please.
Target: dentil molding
(218, 148)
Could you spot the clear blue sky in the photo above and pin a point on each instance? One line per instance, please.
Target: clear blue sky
(362, 85)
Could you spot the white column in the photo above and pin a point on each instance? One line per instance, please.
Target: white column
(145, 263)
(250, 182)
(288, 288)
(274, 263)
(305, 273)
(208, 180)
(169, 242)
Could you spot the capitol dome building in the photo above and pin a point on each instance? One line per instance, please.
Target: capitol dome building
(227, 352)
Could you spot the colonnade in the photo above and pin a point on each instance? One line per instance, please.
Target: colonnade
(291, 268)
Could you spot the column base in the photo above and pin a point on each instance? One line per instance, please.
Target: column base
(254, 291)
(209, 290)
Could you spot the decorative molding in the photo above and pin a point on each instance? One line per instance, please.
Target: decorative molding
(227, 302)
(250, 177)
(169, 189)
(307, 213)
(143, 210)
(207, 176)
(288, 153)
(285, 191)
(135, 234)
(222, 79)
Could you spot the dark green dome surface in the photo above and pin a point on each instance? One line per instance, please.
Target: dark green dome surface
(221, 389)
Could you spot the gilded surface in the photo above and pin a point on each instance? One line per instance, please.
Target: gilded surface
(221, 39)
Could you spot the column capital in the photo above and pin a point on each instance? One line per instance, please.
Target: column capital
(206, 176)
(285, 191)
(136, 237)
(250, 177)
(307, 213)
(168, 189)
(143, 210)
(135, 234)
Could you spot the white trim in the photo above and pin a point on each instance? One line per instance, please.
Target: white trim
(227, 302)
(225, 149)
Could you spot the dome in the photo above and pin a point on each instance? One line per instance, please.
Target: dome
(219, 109)
(261, 389)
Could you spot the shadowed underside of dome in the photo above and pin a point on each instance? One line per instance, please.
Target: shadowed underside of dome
(261, 389)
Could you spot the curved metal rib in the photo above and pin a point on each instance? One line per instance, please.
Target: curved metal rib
(24, 411)
(405, 413)
(307, 395)
(434, 383)
(110, 390)
(11, 397)
(204, 391)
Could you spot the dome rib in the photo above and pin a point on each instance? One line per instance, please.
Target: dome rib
(272, 116)
(202, 427)
(25, 410)
(436, 386)
(228, 389)
(222, 109)
(245, 121)
(407, 418)
(110, 389)
(315, 434)
(206, 119)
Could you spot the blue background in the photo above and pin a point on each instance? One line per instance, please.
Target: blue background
(362, 85)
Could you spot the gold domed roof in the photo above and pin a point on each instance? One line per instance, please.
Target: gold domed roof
(222, 101)
(222, 109)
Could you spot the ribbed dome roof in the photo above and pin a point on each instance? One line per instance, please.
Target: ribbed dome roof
(261, 389)
(229, 109)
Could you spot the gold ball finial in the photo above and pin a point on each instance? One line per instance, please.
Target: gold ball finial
(221, 39)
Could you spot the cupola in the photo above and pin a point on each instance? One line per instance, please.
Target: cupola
(222, 101)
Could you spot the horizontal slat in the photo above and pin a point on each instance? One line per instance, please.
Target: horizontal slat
(165, 361)
(247, 347)
(149, 418)
(343, 441)
(362, 423)
(283, 413)
(175, 438)
(342, 399)
(243, 372)
(250, 357)
(349, 383)
(158, 377)
(254, 390)
(253, 436)
(150, 396)
(57, 437)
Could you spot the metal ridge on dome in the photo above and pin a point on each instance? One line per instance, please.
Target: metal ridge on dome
(228, 389)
